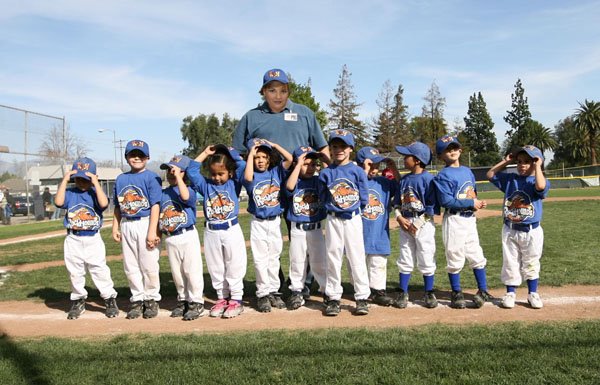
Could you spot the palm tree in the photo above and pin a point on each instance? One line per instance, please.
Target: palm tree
(587, 122)
(535, 134)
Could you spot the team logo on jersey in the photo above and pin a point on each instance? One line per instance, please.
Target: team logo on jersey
(266, 194)
(375, 208)
(132, 200)
(219, 206)
(172, 216)
(410, 201)
(518, 207)
(82, 217)
(306, 202)
(467, 191)
(344, 193)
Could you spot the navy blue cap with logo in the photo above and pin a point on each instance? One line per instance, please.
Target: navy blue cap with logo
(180, 161)
(369, 153)
(258, 142)
(83, 165)
(308, 150)
(419, 150)
(229, 151)
(344, 135)
(275, 74)
(444, 142)
(138, 145)
(533, 152)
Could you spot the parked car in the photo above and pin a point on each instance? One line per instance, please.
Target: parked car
(20, 205)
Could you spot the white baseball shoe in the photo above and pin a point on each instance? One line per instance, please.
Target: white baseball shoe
(508, 301)
(534, 300)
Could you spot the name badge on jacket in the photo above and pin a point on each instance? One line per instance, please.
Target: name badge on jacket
(290, 117)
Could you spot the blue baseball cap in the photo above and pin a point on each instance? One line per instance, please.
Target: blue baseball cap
(533, 152)
(309, 151)
(139, 145)
(369, 153)
(444, 142)
(345, 135)
(83, 165)
(180, 161)
(275, 74)
(229, 151)
(419, 150)
(258, 142)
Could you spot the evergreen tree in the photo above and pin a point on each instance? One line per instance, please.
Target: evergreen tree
(344, 109)
(519, 114)
(383, 128)
(401, 126)
(478, 133)
(204, 130)
(433, 116)
(302, 94)
(570, 151)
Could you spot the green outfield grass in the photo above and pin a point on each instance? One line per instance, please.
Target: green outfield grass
(512, 353)
(563, 192)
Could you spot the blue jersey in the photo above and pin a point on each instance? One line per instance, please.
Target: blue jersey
(343, 189)
(83, 211)
(455, 189)
(304, 205)
(375, 215)
(175, 213)
(416, 195)
(522, 202)
(295, 126)
(221, 202)
(136, 193)
(264, 192)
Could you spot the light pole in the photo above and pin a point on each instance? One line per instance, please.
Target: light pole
(114, 143)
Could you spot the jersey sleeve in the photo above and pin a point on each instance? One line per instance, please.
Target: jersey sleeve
(154, 190)
(240, 136)
(500, 180)
(193, 173)
(445, 195)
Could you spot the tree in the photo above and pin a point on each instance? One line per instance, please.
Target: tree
(478, 133)
(570, 150)
(204, 130)
(433, 115)
(587, 123)
(344, 109)
(384, 135)
(519, 114)
(61, 145)
(399, 118)
(6, 176)
(535, 134)
(302, 94)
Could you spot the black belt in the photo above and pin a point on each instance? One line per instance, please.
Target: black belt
(221, 226)
(133, 218)
(271, 218)
(308, 226)
(181, 231)
(344, 214)
(82, 233)
(465, 214)
(522, 227)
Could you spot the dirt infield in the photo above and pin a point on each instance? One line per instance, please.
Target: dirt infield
(21, 319)
(34, 319)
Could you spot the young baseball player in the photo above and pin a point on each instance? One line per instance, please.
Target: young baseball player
(224, 245)
(415, 206)
(177, 221)
(343, 190)
(376, 220)
(522, 235)
(83, 246)
(305, 213)
(135, 226)
(456, 192)
(263, 184)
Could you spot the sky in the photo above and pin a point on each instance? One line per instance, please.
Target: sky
(137, 68)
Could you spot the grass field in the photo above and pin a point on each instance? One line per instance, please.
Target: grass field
(509, 353)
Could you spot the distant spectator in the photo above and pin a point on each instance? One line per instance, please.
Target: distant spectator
(47, 200)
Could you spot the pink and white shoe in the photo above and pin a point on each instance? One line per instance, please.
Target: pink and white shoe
(234, 309)
(219, 308)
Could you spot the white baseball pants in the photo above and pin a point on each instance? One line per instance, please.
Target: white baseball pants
(301, 243)
(420, 249)
(377, 267)
(226, 261)
(266, 245)
(140, 263)
(461, 242)
(346, 234)
(83, 252)
(521, 254)
(185, 259)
